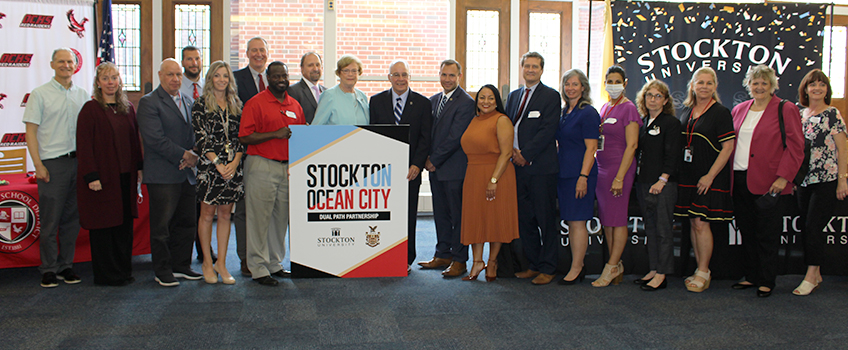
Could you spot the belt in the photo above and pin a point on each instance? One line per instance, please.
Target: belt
(67, 155)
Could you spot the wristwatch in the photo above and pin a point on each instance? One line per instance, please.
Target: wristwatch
(494, 180)
(216, 161)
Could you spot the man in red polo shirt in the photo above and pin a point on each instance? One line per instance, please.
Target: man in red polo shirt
(265, 129)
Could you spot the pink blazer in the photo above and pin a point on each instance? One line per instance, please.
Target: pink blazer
(768, 160)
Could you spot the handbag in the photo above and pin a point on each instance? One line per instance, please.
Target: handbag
(805, 165)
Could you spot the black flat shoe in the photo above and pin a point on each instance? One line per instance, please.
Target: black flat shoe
(763, 294)
(564, 282)
(740, 286)
(648, 288)
(641, 281)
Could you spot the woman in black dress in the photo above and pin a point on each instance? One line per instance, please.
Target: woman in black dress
(704, 188)
(215, 117)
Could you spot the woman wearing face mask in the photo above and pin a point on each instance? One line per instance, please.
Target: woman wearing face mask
(703, 191)
(617, 144)
(764, 162)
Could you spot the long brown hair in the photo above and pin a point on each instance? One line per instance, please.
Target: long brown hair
(120, 96)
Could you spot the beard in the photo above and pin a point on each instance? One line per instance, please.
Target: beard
(278, 90)
(191, 75)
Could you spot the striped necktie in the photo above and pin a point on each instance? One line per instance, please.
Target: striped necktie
(441, 106)
(398, 111)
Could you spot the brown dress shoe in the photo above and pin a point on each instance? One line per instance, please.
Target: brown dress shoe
(527, 274)
(435, 263)
(244, 270)
(542, 278)
(455, 269)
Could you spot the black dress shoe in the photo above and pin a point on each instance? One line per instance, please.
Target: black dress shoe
(740, 286)
(266, 281)
(648, 288)
(763, 293)
(282, 273)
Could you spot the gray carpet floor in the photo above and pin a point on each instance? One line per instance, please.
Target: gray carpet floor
(421, 311)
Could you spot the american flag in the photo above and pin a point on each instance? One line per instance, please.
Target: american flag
(107, 44)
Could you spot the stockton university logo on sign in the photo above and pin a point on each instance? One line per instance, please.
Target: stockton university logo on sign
(20, 226)
(670, 41)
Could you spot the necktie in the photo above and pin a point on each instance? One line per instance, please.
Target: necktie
(523, 102)
(317, 93)
(195, 95)
(179, 101)
(261, 83)
(441, 106)
(398, 110)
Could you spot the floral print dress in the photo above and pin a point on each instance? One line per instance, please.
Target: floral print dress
(819, 130)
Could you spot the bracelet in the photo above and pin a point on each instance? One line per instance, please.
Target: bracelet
(584, 175)
(663, 179)
(843, 176)
(616, 180)
(216, 161)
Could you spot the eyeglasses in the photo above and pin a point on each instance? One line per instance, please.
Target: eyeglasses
(350, 71)
(654, 97)
(401, 75)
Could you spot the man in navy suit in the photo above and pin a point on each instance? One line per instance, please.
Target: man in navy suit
(401, 105)
(453, 110)
(534, 110)
(307, 91)
(164, 120)
(250, 81)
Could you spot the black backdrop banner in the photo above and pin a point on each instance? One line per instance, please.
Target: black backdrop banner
(669, 41)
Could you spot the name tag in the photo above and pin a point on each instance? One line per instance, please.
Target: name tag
(610, 121)
(654, 131)
(815, 120)
(533, 114)
(291, 114)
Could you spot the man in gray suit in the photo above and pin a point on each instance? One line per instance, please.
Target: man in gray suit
(453, 110)
(164, 119)
(307, 91)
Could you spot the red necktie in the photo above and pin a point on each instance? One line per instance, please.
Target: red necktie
(261, 83)
(195, 95)
(523, 102)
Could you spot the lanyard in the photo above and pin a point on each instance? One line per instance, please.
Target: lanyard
(608, 112)
(691, 131)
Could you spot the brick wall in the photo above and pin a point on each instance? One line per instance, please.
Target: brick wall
(377, 32)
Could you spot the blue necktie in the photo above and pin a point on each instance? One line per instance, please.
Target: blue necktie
(441, 106)
(398, 111)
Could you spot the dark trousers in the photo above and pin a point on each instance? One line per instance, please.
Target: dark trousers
(239, 219)
(414, 187)
(111, 247)
(172, 226)
(658, 213)
(447, 214)
(57, 201)
(538, 220)
(760, 230)
(817, 203)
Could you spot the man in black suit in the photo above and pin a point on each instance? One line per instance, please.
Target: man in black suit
(164, 121)
(534, 110)
(401, 105)
(307, 91)
(453, 110)
(250, 80)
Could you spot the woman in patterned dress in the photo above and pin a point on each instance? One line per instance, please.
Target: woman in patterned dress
(825, 183)
(215, 117)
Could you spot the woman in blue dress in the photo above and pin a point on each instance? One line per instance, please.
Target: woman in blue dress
(577, 137)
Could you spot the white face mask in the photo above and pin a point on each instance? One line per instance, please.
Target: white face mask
(614, 90)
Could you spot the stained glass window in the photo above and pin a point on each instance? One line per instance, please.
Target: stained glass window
(545, 39)
(833, 59)
(192, 24)
(481, 62)
(126, 32)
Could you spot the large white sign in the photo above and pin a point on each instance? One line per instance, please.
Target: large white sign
(348, 200)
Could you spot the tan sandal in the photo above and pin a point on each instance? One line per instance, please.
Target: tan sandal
(698, 286)
(805, 288)
(609, 276)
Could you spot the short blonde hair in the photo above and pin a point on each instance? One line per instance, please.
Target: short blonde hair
(345, 61)
(760, 71)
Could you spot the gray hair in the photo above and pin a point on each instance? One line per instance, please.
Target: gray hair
(586, 98)
(763, 72)
(53, 57)
(405, 64)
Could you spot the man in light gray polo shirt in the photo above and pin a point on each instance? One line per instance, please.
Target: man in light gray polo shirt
(51, 125)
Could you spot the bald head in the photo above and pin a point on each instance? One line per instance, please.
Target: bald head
(170, 76)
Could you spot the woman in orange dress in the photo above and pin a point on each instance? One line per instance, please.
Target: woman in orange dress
(489, 200)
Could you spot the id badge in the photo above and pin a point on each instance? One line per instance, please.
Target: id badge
(687, 155)
(230, 154)
(601, 143)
